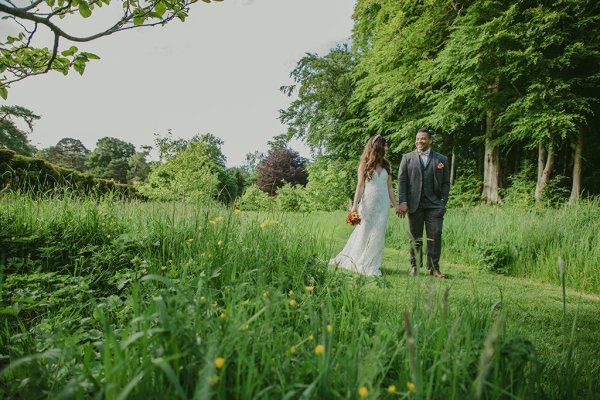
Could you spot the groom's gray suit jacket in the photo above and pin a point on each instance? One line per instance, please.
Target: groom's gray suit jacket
(416, 181)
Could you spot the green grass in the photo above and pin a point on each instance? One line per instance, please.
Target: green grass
(88, 315)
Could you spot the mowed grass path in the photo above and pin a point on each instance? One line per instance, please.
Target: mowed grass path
(534, 309)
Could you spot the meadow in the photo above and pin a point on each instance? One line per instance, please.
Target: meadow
(112, 299)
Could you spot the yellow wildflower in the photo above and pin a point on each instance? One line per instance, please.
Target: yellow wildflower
(236, 211)
(411, 387)
(291, 292)
(329, 328)
(309, 289)
(265, 294)
(311, 337)
(163, 268)
(245, 302)
(212, 222)
(218, 219)
(202, 299)
(363, 392)
(268, 222)
(190, 240)
(108, 236)
(214, 305)
(245, 327)
(219, 362)
(292, 349)
(319, 349)
(391, 389)
(170, 261)
(292, 302)
(222, 316)
(220, 242)
(13, 238)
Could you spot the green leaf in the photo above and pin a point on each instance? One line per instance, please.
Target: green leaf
(138, 21)
(160, 8)
(90, 56)
(70, 51)
(79, 66)
(84, 9)
(182, 16)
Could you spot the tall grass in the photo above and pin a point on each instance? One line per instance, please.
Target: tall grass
(523, 242)
(106, 299)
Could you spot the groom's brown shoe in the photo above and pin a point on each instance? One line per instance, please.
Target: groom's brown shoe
(413, 271)
(438, 274)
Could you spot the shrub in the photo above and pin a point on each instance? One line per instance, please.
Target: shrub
(291, 198)
(331, 184)
(255, 199)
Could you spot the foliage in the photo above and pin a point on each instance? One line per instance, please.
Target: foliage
(255, 199)
(331, 184)
(170, 299)
(520, 193)
(10, 135)
(138, 167)
(37, 176)
(110, 159)
(279, 167)
(38, 21)
(466, 189)
(68, 153)
(321, 114)
(291, 198)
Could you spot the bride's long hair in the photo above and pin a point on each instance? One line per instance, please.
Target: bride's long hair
(374, 155)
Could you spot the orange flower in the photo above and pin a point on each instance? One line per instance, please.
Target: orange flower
(440, 166)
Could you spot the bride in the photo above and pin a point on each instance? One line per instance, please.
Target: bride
(363, 252)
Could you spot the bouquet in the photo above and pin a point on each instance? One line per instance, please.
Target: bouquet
(353, 218)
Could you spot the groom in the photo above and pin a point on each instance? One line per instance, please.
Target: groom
(423, 188)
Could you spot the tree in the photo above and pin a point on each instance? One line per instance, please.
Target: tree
(279, 167)
(68, 153)
(10, 135)
(195, 174)
(110, 159)
(321, 115)
(138, 167)
(21, 58)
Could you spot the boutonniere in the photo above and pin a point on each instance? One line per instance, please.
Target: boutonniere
(440, 166)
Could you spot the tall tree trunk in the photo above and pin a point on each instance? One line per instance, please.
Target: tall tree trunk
(453, 166)
(545, 166)
(576, 188)
(491, 166)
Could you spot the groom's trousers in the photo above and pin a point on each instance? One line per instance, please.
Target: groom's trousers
(432, 219)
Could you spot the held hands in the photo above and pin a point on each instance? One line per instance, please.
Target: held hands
(401, 210)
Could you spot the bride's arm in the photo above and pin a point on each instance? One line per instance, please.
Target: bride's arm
(360, 187)
(391, 193)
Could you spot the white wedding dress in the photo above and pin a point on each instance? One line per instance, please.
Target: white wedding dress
(363, 252)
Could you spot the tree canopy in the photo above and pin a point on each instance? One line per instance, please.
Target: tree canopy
(24, 54)
(11, 135)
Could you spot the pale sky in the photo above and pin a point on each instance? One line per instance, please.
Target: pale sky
(218, 72)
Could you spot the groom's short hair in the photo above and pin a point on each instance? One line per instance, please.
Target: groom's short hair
(427, 131)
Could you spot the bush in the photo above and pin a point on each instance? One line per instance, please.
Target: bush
(521, 191)
(291, 198)
(331, 184)
(467, 187)
(39, 176)
(255, 199)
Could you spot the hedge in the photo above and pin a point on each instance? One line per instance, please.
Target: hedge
(39, 176)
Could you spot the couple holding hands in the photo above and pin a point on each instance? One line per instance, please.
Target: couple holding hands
(423, 188)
